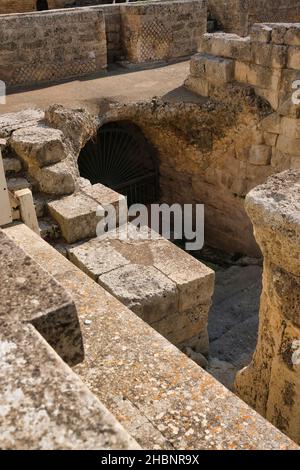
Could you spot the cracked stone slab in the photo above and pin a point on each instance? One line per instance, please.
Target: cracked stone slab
(39, 144)
(45, 304)
(44, 405)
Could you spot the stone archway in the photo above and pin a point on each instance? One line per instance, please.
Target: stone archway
(120, 157)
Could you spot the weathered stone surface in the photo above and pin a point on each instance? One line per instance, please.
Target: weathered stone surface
(179, 406)
(143, 289)
(13, 121)
(39, 144)
(45, 304)
(162, 284)
(44, 405)
(76, 216)
(76, 46)
(56, 179)
(271, 381)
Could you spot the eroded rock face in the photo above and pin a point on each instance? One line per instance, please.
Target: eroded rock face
(271, 383)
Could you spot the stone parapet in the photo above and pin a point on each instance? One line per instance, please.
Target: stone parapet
(271, 383)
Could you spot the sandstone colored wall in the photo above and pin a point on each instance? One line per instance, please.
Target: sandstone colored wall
(47, 46)
(251, 131)
(271, 383)
(162, 30)
(231, 15)
(237, 16)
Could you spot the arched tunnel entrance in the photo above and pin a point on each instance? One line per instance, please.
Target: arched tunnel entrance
(121, 157)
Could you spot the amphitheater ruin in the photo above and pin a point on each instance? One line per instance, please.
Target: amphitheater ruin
(128, 341)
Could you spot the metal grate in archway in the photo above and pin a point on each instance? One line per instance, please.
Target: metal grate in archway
(120, 157)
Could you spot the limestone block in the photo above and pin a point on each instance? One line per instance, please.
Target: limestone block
(54, 179)
(269, 55)
(45, 404)
(104, 196)
(215, 69)
(12, 121)
(260, 155)
(288, 145)
(271, 123)
(143, 289)
(39, 144)
(294, 58)
(44, 303)
(198, 85)
(292, 36)
(226, 45)
(76, 216)
(261, 33)
(96, 257)
(257, 75)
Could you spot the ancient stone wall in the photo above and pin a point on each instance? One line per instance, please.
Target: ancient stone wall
(231, 15)
(259, 143)
(237, 16)
(271, 383)
(47, 46)
(162, 30)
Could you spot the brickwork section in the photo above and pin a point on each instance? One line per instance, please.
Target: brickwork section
(162, 30)
(48, 46)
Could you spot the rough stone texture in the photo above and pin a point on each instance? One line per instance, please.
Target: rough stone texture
(44, 405)
(40, 144)
(162, 30)
(161, 396)
(45, 304)
(76, 216)
(270, 383)
(12, 121)
(78, 36)
(167, 288)
(237, 16)
(19, 6)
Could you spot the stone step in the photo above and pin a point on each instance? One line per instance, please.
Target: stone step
(39, 144)
(77, 214)
(161, 283)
